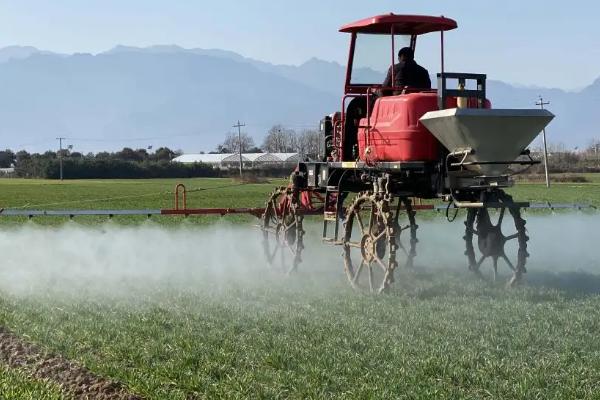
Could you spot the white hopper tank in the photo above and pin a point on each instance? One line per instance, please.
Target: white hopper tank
(494, 135)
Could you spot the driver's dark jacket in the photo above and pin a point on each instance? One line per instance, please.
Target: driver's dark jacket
(408, 73)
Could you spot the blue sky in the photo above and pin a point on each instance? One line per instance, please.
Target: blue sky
(527, 42)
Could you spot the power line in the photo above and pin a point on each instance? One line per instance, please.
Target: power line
(239, 126)
(60, 155)
(187, 134)
(138, 139)
(44, 141)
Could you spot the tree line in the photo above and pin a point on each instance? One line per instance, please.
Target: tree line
(278, 139)
(141, 163)
(564, 159)
(9, 158)
(126, 163)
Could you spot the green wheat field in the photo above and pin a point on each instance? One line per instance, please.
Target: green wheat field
(186, 308)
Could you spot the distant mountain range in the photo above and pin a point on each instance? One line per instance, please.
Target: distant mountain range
(189, 98)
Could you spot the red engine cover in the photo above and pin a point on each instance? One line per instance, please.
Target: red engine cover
(396, 133)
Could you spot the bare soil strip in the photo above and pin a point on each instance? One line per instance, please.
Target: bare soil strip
(73, 378)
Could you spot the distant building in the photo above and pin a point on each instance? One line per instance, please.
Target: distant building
(7, 172)
(250, 160)
(292, 158)
(210, 159)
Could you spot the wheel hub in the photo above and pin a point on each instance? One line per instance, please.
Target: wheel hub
(491, 244)
(290, 237)
(284, 235)
(368, 248)
(372, 247)
(280, 232)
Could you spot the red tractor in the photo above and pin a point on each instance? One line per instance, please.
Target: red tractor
(413, 144)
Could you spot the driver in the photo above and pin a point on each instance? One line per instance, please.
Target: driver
(407, 73)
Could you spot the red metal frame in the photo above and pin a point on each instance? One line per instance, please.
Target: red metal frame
(180, 188)
(393, 61)
(391, 24)
(257, 212)
(350, 61)
(413, 42)
(442, 50)
(340, 149)
(311, 202)
(403, 24)
(413, 25)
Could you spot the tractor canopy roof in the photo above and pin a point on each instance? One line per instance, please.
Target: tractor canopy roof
(402, 24)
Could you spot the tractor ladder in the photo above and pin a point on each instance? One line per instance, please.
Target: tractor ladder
(332, 213)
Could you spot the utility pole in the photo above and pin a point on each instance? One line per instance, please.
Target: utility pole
(60, 155)
(239, 126)
(543, 103)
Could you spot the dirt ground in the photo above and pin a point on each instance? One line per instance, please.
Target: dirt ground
(73, 378)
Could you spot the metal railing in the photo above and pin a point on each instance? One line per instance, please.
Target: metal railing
(444, 93)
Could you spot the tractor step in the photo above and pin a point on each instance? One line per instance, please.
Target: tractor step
(331, 213)
(330, 216)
